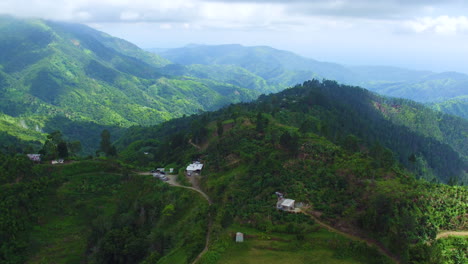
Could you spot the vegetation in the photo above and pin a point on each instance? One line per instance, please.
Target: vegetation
(389, 171)
(51, 70)
(95, 212)
(456, 106)
(344, 151)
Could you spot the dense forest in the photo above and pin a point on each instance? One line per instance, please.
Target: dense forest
(431, 144)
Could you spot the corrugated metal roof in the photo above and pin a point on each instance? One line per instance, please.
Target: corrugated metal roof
(287, 202)
(194, 166)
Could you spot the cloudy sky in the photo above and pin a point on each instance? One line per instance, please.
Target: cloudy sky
(416, 34)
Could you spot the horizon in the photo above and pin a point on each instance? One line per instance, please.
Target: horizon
(418, 35)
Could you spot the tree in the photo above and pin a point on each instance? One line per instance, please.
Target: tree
(105, 144)
(74, 147)
(220, 128)
(262, 122)
(62, 150)
(50, 148)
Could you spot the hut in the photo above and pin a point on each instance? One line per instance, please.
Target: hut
(239, 237)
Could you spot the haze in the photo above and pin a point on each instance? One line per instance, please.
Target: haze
(427, 35)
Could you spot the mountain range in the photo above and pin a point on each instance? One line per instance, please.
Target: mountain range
(376, 179)
(282, 69)
(70, 77)
(52, 69)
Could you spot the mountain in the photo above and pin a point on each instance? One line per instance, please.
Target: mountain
(351, 157)
(350, 160)
(456, 106)
(50, 69)
(283, 68)
(431, 144)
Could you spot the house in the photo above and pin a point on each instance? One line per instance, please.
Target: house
(34, 157)
(195, 167)
(286, 204)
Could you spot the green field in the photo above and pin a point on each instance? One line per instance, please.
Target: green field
(318, 246)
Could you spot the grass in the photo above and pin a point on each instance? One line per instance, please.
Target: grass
(319, 246)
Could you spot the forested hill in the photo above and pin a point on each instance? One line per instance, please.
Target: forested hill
(456, 106)
(431, 144)
(344, 151)
(50, 69)
(284, 68)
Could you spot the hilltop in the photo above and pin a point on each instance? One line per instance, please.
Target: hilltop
(352, 157)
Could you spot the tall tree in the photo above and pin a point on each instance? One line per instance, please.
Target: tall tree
(62, 150)
(105, 144)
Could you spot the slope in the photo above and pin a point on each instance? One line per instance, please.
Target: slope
(456, 106)
(50, 69)
(339, 150)
(94, 211)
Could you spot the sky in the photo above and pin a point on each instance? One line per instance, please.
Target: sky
(415, 34)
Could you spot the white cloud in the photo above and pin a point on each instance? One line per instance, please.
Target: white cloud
(445, 25)
(165, 26)
(129, 15)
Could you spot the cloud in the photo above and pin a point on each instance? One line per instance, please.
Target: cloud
(241, 14)
(364, 9)
(444, 25)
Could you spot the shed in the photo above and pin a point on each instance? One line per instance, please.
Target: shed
(287, 204)
(239, 237)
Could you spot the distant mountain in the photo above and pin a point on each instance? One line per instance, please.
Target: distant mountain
(456, 106)
(50, 69)
(283, 68)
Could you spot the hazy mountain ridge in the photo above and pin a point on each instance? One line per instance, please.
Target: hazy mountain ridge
(285, 68)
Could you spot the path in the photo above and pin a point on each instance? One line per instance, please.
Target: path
(368, 241)
(445, 234)
(173, 182)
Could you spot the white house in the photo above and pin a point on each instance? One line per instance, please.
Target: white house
(34, 157)
(195, 167)
(286, 204)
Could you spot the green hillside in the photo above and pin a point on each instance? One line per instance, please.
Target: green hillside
(366, 171)
(94, 212)
(284, 68)
(431, 144)
(351, 157)
(457, 106)
(50, 69)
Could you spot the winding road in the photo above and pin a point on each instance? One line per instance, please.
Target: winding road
(173, 182)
